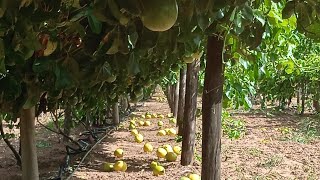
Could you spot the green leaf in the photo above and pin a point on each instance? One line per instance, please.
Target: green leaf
(288, 10)
(63, 79)
(240, 2)
(289, 66)
(3, 7)
(72, 66)
(203, 22)
(77, 27)
(133, 65)
(78, 16)
(239, 28)
(267, 5)
(10, 88)
(95, 25)
(25, 3)
(43, 64)
(103, 72)
(133, 38)
(2, 58)
(247, 13)
(244, 63)
(202, 6)
(116, 13)
(233, 14)
(75, 3)
(260, 17)
(31, 42)
(103, 15)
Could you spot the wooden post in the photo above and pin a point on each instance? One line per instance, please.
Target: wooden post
(115, 115)
(316, 105)
(189, 118)
(212, 110)
(28, 145)
(176, 100)
(263, 101)
(303, 98)
(298, 96)
(316, 97)
(124, 103)
(182, 95)
(172, 90)
(168, 95)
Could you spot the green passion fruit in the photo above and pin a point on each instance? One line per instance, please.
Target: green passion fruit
(112, 95)
(138, 92)
(148, 83)
(111, 78)
(135, 99)
(159, 15)
(175, 67)
(188, 59)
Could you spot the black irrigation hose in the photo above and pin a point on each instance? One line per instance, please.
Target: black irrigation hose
(88, 152)
(80, 150)
(83, 148)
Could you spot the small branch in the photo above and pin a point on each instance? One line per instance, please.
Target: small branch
(14, 151)
(46, 127)
(55, 117)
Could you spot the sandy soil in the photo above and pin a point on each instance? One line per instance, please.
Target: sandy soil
(260, 154)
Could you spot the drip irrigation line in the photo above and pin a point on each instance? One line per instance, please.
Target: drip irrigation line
(88, 152)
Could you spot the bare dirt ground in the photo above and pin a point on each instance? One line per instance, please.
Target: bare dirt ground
(50, 148)
(263, 153)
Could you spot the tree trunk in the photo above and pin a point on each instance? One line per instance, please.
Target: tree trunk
(106, 115)
(182, 95)
(212, 110)
(289, 101)
(189, 118)
(171, 94)
(168, 94)
(176, 100)
(316, 105)
(263, 101)
(303, 98)
(315, 102)
(115, 116)
(282, 103)
(124, 103)
(67, 122)
(28, 145)
(298, 97)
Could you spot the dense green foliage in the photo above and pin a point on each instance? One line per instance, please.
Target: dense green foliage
(88, 54)
(284, 63)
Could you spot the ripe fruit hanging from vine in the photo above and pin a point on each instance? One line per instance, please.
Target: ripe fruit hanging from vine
(159, 15)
